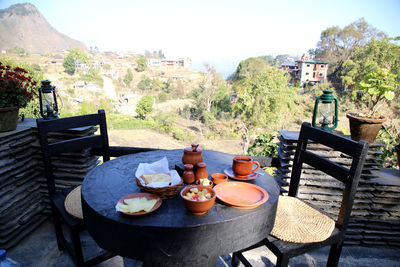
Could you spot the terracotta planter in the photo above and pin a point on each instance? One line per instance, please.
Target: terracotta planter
(363, 128)
(8, 119)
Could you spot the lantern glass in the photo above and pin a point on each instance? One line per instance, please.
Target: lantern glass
(48, 105)
(325, 113)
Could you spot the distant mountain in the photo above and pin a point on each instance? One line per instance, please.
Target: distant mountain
(24, 26)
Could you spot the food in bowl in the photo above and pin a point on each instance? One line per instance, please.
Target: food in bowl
(204, 182)
(198, 199)
(196, 195)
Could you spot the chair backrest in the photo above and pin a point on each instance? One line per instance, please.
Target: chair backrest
(348, 176)
(97, 144)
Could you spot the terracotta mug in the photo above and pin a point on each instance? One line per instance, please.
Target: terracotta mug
(243, 166)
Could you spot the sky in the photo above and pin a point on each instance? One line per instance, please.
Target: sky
(216, 32)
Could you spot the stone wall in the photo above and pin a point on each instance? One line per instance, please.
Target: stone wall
(375, 219)
(24, 203)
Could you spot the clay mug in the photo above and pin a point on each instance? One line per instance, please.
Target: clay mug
(242, 166)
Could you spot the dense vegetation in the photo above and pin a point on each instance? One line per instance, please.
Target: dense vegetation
(256, 101)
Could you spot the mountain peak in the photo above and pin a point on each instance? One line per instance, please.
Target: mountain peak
(25, 9)
(23, 25)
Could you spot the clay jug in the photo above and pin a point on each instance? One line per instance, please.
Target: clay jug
(201, 171)
(188, 175)
(192, 155)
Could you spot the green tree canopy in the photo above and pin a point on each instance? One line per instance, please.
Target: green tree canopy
(70, 59)
(371, 58)
(141, 64)
(145, 106)
(338, 45)
(128, 77)
(263, 97)
(207, 91)
(250, 67)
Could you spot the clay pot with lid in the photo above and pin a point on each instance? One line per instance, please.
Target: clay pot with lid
(192, 155)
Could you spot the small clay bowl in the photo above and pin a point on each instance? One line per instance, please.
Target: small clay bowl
(198, 207)
(210, 185)
(218, 178)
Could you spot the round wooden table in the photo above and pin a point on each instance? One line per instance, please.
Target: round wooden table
(171, 235)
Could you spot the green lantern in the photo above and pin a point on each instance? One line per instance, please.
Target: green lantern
(48, 101)
(326, 111)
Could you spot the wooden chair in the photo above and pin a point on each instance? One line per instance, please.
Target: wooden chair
(348, 176)
(98, 145)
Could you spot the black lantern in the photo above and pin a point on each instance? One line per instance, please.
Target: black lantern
(326, 111)
(48, 101)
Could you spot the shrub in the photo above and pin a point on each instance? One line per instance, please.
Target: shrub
(145, 106)
(263, 146)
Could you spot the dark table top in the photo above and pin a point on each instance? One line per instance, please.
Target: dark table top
(171, 234)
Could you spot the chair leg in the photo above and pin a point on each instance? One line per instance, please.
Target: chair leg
(235, 259)
(59, 232)
(77, 247)
(282, 261)
(334, 254)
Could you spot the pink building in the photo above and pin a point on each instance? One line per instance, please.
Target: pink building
(306, 71)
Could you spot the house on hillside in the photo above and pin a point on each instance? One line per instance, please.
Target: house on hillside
(170, 63)
(306, 71)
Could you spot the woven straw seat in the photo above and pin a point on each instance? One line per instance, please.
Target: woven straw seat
(73, 204)
(299, 223)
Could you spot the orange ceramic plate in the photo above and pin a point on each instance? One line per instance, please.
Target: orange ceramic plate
(231, 174)
(241, 195)
(148, 196)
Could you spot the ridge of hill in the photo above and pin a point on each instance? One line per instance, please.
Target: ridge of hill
(24, 26)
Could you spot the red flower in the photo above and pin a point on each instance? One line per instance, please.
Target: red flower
(17, 86)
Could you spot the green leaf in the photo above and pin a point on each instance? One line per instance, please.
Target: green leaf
(372, 91)
(389, 95)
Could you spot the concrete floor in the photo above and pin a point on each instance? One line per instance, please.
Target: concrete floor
(40, 249)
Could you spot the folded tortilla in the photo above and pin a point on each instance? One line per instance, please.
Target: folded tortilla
(157, 177)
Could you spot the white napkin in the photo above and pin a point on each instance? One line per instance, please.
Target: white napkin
(160, 166)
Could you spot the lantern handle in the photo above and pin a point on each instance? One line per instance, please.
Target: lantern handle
(336, 116)
(314, 117)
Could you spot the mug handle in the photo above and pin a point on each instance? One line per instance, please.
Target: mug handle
(258, 166)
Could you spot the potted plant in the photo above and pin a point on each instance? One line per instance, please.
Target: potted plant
(376, 88)
(16, 90)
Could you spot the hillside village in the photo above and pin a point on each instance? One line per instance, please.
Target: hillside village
(111, 67)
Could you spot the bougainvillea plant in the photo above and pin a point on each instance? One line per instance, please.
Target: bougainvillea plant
(17, 87)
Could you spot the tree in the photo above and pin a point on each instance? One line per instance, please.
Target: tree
(75, 54)
(269, 59)
(145, 106)
(279, 59)
(250, 67)
(128, 77)
(141, 64)
(263, 97)
(144, 84)
(19, 50)
(371, 58)
(337, 45)
(207, 90)
(160, 54)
